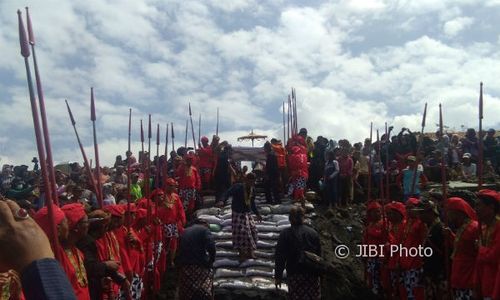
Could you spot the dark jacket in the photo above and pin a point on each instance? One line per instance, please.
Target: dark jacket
(196, 247)
(291, 242)
(238, 205)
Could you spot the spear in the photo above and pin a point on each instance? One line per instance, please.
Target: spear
(288, 117)
(186, 136)
(199, 130)
(379, 161)
(192, 127)
(96, 149)
(142, 141)
(129, 198)
(295, 119)
(172, 135)
(157, 180)
(25, 52)
(480, 144)
(166, 152)
(82, 150)
(41, 101)
(217, 126)
(284, 127)
(148, 161)
(370, 164)
(387, 189)
(421, 140)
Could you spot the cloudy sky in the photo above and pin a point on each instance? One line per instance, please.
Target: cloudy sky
(351, 62)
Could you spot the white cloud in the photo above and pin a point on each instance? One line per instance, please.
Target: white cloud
(453, 27)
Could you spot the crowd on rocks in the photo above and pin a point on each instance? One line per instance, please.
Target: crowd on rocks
(120, 249)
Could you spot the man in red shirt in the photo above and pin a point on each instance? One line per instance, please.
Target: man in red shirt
(206, 162)
(488, 258)
(464, 255)
(345, 177)
(189, 184)
(414, 235)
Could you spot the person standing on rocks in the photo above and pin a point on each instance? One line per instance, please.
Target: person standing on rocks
(243, 204)
(331, 180)
(302, 283)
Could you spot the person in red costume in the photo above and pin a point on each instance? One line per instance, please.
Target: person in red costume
(462, 216)
(299, 172)
(71, 258)
(108, 249)
(414, 235)
(131, 248)
(189, 184)
(396, 215)
(488, 258)
(374, 234)
(206, 162)
(172, 217)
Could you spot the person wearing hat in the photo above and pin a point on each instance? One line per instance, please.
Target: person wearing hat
(375, 233)
(189, 184)
(396, 216)
(206, 162)
(299, 172)
(414, 235)
(172, 217)
(72, 258)
(108, 249)
(435, 281)
(488, 258)
(469, 169)
(465, 239)
(97, 270)
(407, 178)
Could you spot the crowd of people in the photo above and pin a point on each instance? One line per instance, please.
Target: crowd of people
(118, 243)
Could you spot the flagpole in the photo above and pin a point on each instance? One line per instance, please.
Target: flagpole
(25, 52)
(43, 114)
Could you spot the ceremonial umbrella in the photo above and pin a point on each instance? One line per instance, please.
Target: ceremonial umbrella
(252, 136)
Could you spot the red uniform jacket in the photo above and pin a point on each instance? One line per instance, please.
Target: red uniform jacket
(207, 158)
(108, 248)
(297, 164)
(464, 259)
(186, 180)
(375, 234)
(171, 211)
(72, 263)
(395, 238)
(414, 235)
(488, 260)
(134, 253)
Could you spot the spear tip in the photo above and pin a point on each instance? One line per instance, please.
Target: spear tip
(23, 40)
(92, 105)
(31, 36)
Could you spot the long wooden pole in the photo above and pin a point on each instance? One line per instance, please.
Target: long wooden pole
(96, 149)
(186, 136)
(284, 126)
(217, 126)
(421, 140)
(199, 130)
(25, 52)
(480, 141)
(370, 164)
(43, 114)
(172, 135)
(387, 143)
(129, 197)
(192, 127)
